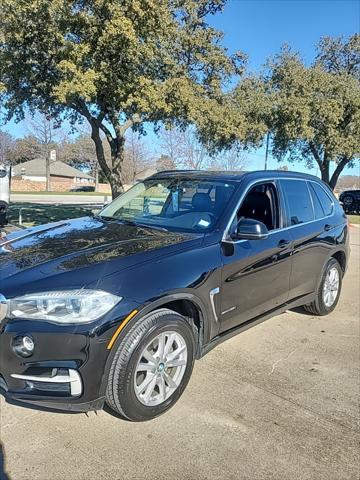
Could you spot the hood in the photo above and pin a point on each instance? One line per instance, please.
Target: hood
(68, 245)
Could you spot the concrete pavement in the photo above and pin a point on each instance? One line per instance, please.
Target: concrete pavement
(278, 402)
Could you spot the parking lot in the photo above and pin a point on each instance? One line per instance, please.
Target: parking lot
(280, 401)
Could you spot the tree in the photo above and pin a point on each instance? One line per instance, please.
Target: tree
(315, 114)
(183, 148)
(194, 155)
(117, 64)
(80, 153)
(336, 55)
(171, 144)
(6, 147)
(164, 162)
(25, 149)
(47, 133)
(232, 159)
(136, 158)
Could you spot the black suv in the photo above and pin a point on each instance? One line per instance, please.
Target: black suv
(351, 201)
(116, 307)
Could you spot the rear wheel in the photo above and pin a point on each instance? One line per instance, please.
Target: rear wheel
(348, 201)
(152, 366)
(329, 289)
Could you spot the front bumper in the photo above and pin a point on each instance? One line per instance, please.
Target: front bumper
(66, 370)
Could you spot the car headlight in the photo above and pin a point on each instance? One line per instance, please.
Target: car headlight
(68, 306)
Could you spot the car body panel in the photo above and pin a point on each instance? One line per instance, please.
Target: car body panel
(256, 276)
(150, 268)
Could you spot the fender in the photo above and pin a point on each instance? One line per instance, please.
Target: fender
(151, 306)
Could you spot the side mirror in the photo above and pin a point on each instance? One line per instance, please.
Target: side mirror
(250, 229)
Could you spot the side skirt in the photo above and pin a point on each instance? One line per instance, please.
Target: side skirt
(297, 302)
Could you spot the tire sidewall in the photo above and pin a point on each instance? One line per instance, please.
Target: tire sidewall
(331, 264)
(131, 406)
(348, 200)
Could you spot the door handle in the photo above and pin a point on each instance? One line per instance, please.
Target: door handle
(328, 227)
(284, 243)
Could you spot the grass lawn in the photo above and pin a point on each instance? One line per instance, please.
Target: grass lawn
(36, 214)
(354, 219)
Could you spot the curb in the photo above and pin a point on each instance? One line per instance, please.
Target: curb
(354, 225)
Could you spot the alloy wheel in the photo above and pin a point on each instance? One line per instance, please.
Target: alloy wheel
(331, 287)
(160, 369)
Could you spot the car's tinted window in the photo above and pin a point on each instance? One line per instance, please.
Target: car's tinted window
(318, 209)
(261, 203)
(298, 200)
(320, 196)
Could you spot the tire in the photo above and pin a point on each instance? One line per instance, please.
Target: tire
(348, 201)
(126, 376)
(323, 305)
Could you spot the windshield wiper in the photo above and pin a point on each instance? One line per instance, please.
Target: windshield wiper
(132, 223)
(104, 217)
(152, 227)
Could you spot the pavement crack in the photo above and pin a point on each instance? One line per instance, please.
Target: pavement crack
(280, 360)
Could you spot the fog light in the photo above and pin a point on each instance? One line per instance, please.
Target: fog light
(23, 346)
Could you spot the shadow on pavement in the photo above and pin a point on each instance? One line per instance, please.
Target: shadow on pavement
(3, 474)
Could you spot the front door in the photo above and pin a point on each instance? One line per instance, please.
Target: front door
(256, 273)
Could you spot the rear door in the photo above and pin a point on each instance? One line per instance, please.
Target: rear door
(309, 212)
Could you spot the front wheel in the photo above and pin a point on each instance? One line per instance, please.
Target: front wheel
(328, 291)
(151, 366)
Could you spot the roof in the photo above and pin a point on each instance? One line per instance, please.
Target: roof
(232, 175)
(200, 174)
(37, 168)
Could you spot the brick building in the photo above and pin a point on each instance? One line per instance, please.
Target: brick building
(31, 176)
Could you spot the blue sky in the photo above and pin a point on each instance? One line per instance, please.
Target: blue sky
(261, 27)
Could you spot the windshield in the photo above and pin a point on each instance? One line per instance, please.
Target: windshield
(173, 204)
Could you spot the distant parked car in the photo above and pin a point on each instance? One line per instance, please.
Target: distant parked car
(350, 200)
(84, 188)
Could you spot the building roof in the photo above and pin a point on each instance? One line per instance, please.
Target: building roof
(37, 168)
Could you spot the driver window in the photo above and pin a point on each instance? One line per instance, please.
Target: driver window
(261, 203)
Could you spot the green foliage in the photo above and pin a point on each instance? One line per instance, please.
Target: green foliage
(79, 153)
(24, 149)
(312, 112)
(116, 63)
(315, 113)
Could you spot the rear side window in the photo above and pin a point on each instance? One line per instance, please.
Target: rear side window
(318, 209)
(319, 196)
(298, 201)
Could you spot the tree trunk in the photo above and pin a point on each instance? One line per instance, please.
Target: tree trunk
(48, 184)
(113, 173)
(325, 171)
(96, 177)
(340, 167)
(117, 158)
